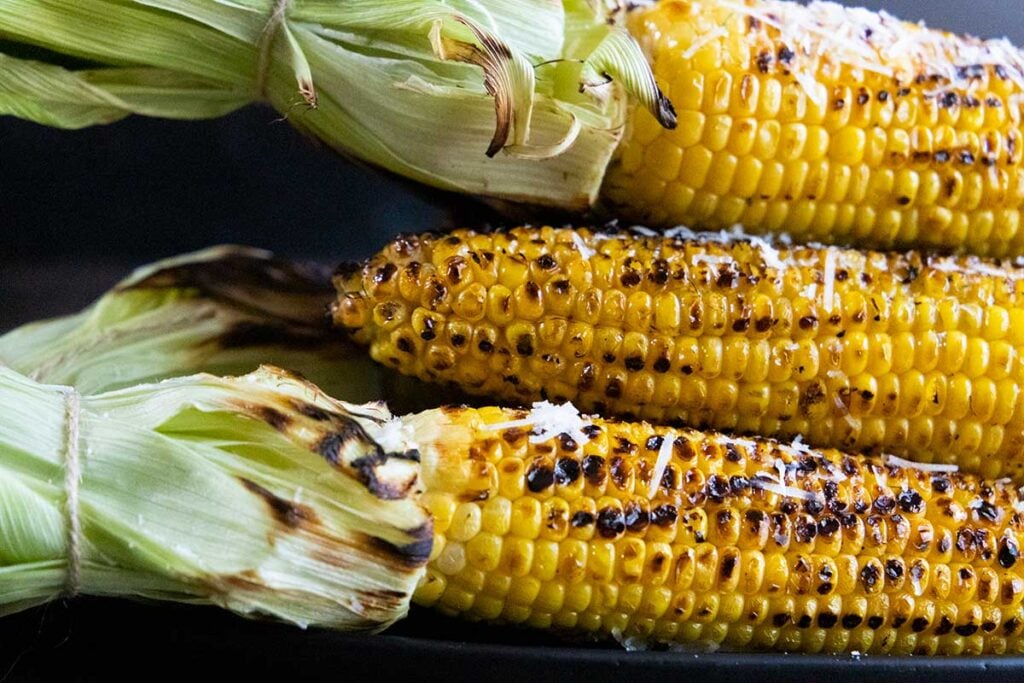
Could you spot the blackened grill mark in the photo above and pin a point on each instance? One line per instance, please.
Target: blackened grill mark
(619, 470)
(485, 345)
(786, 55)
(805, 531)
(273, 417)
(893, 570)
(654, 443)
(456, 267)
(827, 620)
(539, 477)
(729, 563)
(429, 332)
(524, 345)
(546, 262)
(1008, 552)
(987, 511)
(869, 575)
(940, 484)
(630, 278)
(610, 522)
(966, 629)
(311, 411)
(664, 515)
(875, 622)
(385, 273)
(718, 488)
(582, 519)
(804, 621)
(292, 515)
(780, 620)
(593, 469)
(828, 526)
(404, 345)
(411, 555)
(910, 501)
(532, 290)
(637, 519)
(764, 61)
(567, 470)
(884, 505)
(634, 363)
(331, 445)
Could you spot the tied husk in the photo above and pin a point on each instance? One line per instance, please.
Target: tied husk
(224, 310)
(256, 493)
(519, 101)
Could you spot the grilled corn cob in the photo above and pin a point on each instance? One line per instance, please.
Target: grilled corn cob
(915, 355)
(656, 534)
(832, 124)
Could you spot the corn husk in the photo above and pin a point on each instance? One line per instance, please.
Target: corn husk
(518, 101)
(257, 493)
(224, 310)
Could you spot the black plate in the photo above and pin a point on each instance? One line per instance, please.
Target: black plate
(95, 639)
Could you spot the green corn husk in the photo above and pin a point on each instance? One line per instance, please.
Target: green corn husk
(256, 493)
(431, 90)
(224, 310)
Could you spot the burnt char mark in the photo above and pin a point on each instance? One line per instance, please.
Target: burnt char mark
(273, 417)
(312, 411)
(332, 444)
(366, 473)
(567, 471)
(411, 555)
(539, 477)
(582, 519)
(291, 515)
(594, 470)
(611, 522)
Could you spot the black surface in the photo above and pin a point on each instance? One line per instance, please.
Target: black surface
(92, 639)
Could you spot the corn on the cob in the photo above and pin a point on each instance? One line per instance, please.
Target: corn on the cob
(829, 123)
(918, 356)
(678, 536)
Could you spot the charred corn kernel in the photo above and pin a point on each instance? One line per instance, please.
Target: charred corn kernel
(778, 546)
(917, 356)
(778, 115)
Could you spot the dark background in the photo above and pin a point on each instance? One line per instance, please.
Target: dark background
(77, 209)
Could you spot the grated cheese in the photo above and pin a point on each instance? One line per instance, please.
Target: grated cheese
(395, 436)
(712, 35)
(782, 490)
(923, 466)
(830, 278)
(877, 42)
(548, 421)
(664, 456)
(581, 246)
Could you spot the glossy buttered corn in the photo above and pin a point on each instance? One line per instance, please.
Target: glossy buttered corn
(914, 355)
(676, 536)
(830, 124)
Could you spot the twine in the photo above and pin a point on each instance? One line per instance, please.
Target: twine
(72, 479)
(266, 43)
